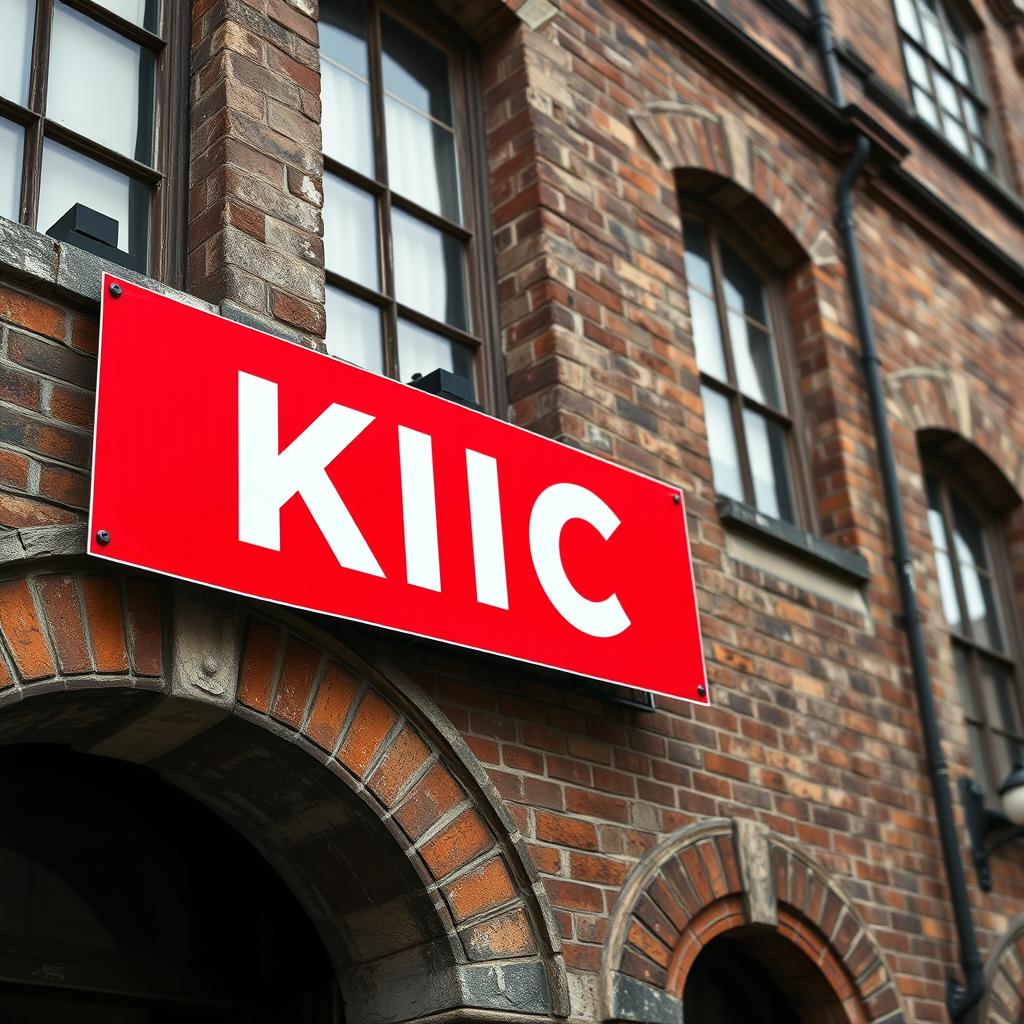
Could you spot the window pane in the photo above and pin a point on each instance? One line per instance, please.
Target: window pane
(70, 178)
(766, 448)
(707, 337)
(725, 463)
(1002, 754)
(11, 138)
(421, 160)
(755, 361)
(344, 92)
(972, 115)
(933, 40)
(343, 36)
(94, 71)
(964, 679)
(141, 12)
(907, 17)
(415, 71)
(978, 761)
(1000, 697)
(946, 92)
(743, 290)
(350, 232)
(961, 68)
(421, 351)
(16, 49)
(981, 608)
(697, 257)
(955, 134)
(981, 157)
(947, 591)
(968, 538)
(925, 107)
(429, 271)
(353, 330)
(916, 66)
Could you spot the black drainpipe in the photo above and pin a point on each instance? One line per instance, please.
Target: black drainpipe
(960, 998)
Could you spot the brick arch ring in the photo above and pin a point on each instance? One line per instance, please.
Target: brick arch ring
(928, 398)
(1004, 977)
(718, 875)
(687, 138)
(324, 761)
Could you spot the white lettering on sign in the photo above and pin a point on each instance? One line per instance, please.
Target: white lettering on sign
(419, 509)
(268, 478)
(485, 526)
(555, 507)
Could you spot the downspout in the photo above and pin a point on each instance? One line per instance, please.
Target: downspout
(960, 998)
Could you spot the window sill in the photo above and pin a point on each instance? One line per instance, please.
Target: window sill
(71, 272)
(848, 566)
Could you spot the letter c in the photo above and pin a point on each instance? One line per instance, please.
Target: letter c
(551, 511)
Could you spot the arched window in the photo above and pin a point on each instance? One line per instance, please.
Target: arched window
(90, 97)
(944, 78)
(402, 217)
(742, 382)
(969, 559)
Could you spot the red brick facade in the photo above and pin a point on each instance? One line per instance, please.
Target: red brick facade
(545, 826)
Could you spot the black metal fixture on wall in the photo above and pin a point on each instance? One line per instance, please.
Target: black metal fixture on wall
(982, 822)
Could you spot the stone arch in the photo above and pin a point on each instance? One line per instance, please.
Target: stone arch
(714, 155)
(327, 763)
(1004, 979)
(707, 880)
(939, 404)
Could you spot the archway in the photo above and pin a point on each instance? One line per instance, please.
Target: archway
(721, 894)
(344, 777)
(124, 901)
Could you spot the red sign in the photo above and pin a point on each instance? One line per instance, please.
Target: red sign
(231, 458)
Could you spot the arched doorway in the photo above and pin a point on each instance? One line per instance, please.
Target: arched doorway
(123, 900)
(727, 984)
(754, 975)
(339, 773)
(723, 921)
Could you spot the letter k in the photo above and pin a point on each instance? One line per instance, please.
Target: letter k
(268, 478)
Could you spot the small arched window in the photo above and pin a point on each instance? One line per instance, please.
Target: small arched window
(746, 408)
(402, 214)
(969, 557)
(944, 79)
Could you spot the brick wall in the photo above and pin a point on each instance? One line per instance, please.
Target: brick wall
(597, 121)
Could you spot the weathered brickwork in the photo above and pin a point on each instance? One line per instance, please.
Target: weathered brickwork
(527, 808)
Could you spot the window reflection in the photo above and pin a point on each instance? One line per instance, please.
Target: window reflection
(429, 271)
(11, 139)
(16, 49)
(93, 71)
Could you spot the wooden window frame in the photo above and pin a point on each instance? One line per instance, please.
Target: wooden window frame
(952, 28)
(790, 418)
(474, 231)
(165, 179)
(945, 477)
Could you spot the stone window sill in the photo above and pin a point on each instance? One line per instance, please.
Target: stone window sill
(848, 566)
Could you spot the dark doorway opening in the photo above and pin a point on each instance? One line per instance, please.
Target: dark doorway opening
(757, 976)
(124, 901)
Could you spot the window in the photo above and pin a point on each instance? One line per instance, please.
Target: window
(401, 215)
(944, 84)
(83, 85)
(749, 431)
(967, 554)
